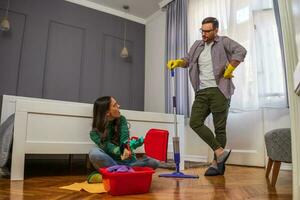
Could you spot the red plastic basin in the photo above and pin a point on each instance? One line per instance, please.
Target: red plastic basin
(122, 183)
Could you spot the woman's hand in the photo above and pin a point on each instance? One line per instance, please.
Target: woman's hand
(126, 154)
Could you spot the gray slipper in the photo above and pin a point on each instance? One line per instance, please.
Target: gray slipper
(221, 161)
(212, 171)
(223, 158)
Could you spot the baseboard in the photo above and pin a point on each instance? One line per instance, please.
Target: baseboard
(196, 158)
(286, 166)
(54, 156)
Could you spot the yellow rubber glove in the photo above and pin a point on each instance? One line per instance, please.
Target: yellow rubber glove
(172, 64)
(228, 71)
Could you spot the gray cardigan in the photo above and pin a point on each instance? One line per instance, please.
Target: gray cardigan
(223, 51)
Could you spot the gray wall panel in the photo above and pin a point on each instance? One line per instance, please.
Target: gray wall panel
(71, 60)
(117, 72)
(10, 54)
(32, 62)
(65, 49)
(139, 66)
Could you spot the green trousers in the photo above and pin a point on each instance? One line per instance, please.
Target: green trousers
(210, 100)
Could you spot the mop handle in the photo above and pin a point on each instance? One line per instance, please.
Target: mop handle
(174, 101)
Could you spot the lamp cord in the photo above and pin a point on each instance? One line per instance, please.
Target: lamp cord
(125, 31)
(6, 14)
(126, 8)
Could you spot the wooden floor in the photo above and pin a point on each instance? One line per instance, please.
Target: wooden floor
(43, 179)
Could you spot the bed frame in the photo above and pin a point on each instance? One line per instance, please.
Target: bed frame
(59, 127)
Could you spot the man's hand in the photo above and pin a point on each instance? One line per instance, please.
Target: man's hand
(126, 154)
(175, 63)
(229, 70)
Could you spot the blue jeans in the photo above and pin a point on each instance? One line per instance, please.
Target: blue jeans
(101, 159)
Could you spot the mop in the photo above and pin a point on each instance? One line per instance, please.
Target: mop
(177, 173)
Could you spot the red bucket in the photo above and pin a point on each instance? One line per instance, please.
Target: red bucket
(122, 183)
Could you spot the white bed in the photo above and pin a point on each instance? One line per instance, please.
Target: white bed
(59, 127)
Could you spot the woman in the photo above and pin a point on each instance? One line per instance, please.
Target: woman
(110, 132)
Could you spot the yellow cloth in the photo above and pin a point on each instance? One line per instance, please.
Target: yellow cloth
(229, 70)
(91, 188)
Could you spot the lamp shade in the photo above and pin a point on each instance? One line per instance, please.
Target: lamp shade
(4, 24)
(124, 52)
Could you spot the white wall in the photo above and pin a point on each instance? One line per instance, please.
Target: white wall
(296, 18)
(295, 103)
(155, 63)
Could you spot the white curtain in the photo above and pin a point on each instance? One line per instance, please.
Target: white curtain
(260, 79)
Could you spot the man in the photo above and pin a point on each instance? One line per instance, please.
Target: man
(211, 63)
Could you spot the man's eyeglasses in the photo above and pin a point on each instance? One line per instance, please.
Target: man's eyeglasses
(205, 31)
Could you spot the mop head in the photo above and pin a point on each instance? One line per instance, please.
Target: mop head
(94, 177)
(178, 175)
